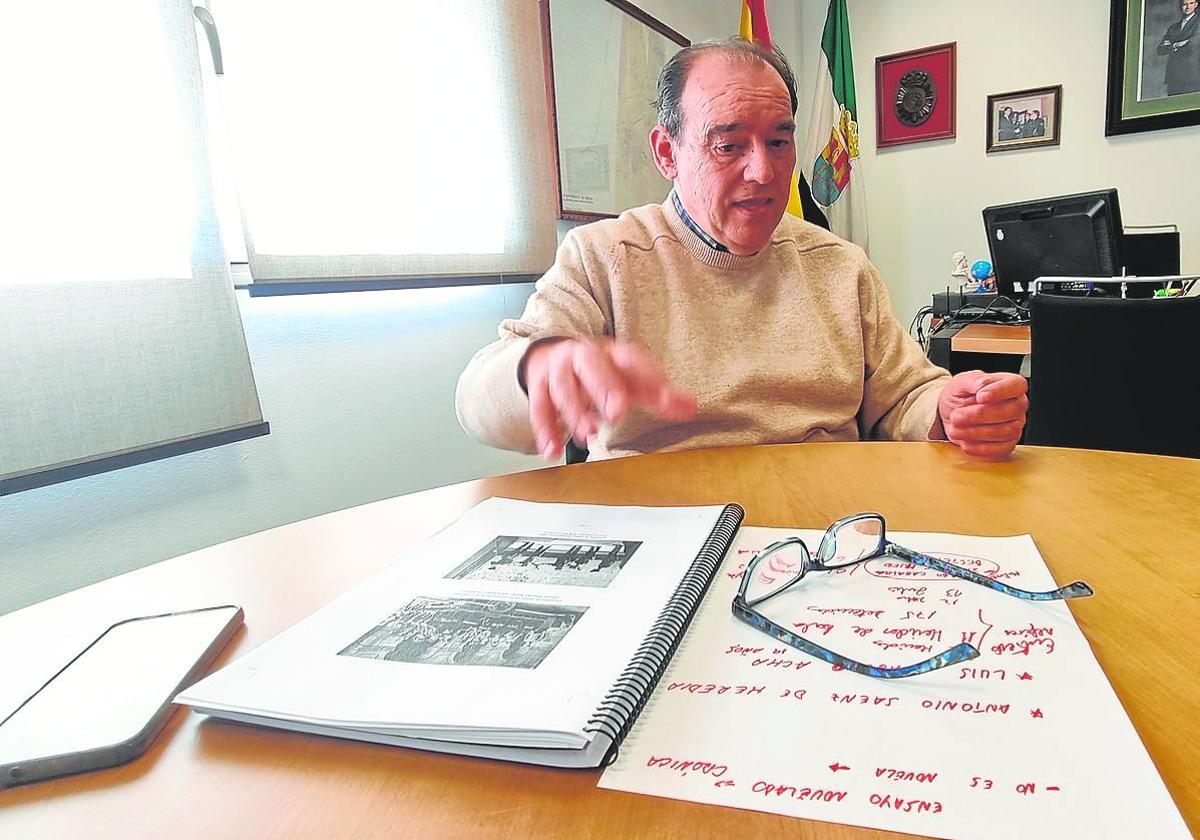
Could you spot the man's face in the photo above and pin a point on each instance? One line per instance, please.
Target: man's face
(732, 165)
(1188, 7)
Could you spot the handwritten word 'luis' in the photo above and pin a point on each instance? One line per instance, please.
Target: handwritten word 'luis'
(906, 806)
(968, 707)
(713, 688)
(982, 674)
(863, 699)
(682, 767)
(804, 794)
(854, 611)
(904, 775)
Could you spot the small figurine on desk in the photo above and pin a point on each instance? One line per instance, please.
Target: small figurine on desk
(960, 269)
(981, 271)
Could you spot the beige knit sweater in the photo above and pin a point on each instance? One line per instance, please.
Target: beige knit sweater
(794, 343)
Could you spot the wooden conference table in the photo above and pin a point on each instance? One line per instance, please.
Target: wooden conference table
(1128, 524)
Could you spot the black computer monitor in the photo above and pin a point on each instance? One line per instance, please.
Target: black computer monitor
(1065, 236)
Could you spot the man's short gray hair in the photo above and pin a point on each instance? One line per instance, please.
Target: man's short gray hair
(671, 81)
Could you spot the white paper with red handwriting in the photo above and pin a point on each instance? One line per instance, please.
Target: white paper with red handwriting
(1026, 740)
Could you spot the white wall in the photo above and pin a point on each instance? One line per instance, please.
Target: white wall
(925, 199)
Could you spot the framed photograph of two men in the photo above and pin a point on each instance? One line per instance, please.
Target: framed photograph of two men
(1153, 65)
(1024, 118)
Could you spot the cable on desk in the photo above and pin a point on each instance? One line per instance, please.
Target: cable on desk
(916, 327)
(956, 316)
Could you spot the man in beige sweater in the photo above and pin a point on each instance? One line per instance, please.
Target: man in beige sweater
(714, 319)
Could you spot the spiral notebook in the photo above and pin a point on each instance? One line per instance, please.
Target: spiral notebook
(524, 631)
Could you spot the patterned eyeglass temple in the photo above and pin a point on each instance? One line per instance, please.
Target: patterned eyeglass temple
(866, 532)
(1078, 589)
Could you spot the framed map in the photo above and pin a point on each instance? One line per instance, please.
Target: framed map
(602, 61)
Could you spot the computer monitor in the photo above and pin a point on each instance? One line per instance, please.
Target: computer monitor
(1065, 236)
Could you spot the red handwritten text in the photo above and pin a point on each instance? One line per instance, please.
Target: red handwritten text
(903, 646)
(713, 688)
(1023, 647)
(786, 664)
(906, 806)
(863, 699)
(982, 673)
(967, 707)
(854, 611)
(804, 794)
(683, 767)
(932, 634)
(807, 627)
(903, 775)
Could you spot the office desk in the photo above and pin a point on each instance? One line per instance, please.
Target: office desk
(992, 338)
(989, 347)
(1125, 523)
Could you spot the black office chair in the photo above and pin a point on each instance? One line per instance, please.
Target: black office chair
(1115, 374)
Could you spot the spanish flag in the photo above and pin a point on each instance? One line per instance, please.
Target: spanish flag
(755, 29)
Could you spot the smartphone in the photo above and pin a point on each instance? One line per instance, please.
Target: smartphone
(106, 705)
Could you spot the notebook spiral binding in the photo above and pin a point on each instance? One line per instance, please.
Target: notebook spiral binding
(620, 707)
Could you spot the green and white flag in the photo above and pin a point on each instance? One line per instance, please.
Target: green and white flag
(831, 155)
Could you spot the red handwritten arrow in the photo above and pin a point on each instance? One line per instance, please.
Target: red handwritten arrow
(836, 767)
(723, 783)
(1025, 676)
(1037, 713)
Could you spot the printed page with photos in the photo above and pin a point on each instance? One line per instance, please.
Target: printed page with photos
(507, 627)
(1027, 740)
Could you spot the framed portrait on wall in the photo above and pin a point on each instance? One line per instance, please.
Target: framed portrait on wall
(915, 96)
(1024, 118)
(1153, 65)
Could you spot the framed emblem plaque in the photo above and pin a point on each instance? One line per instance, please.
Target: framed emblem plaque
(915, 96)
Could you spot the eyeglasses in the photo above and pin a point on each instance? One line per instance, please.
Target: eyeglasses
(849, 541)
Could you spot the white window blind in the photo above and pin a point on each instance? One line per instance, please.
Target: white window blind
(377, 138)
(120, 338)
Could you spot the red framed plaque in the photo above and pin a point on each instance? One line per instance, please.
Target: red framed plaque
(914, 96)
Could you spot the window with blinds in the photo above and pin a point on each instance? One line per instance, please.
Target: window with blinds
(120, 338)
(380, 139)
